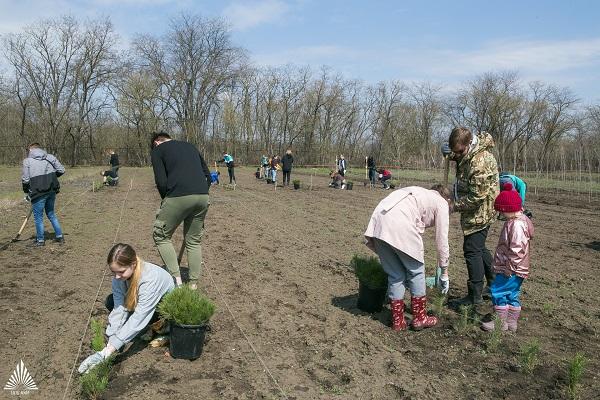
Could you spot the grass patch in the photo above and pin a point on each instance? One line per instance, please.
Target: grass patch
(529, 357)
(186, 306)
(575, 371)
(97, 329)
(95, 381)
(369, 271)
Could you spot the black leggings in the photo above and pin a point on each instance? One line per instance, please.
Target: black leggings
(231, 174)
(286, 177)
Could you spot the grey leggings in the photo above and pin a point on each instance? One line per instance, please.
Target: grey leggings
(403, 271)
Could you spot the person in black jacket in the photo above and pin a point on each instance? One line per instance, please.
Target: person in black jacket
(372, 170)
(286, 166)
(114, 162)
(182, 179)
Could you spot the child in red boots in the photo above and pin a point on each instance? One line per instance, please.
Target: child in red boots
(511, 262)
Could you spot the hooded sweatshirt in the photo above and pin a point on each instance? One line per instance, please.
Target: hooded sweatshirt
(40, 173)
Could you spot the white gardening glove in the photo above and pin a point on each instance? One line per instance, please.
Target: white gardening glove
(442, 280)
(94, 360)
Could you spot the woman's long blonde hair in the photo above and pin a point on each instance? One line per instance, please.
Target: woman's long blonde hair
(124, 255)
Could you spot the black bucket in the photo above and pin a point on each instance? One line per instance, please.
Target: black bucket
(370, 300)
(349, 186)
(186, 341)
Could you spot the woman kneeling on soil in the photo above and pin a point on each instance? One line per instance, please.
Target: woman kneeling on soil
(395, 234)
(137, 288)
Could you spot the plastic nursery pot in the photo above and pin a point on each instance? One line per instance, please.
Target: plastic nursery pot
(349, 185)
(186, 341)
(296, 186)
(370, 299)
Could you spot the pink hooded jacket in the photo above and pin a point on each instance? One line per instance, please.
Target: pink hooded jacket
(512, 252)
(401, 218)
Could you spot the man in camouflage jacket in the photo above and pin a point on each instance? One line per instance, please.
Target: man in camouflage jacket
(475, 190)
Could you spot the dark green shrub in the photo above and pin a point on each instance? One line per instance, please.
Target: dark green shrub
(369, 271)
(186, 306)
(296, 181)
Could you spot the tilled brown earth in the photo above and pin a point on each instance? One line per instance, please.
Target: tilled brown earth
(287, 325)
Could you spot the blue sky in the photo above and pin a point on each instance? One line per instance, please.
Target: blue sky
(445, 42)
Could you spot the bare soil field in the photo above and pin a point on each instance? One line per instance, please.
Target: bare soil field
(287, 326)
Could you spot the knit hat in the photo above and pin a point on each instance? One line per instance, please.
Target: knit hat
(508, 200)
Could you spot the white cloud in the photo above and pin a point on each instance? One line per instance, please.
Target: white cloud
(245, 15)
(541, 57)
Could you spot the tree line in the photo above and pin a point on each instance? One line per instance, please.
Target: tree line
(75, 88)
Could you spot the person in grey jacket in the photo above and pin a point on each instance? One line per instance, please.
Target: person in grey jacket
(137, 288)
(40, 182)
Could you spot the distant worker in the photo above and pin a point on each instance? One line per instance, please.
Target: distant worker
(286, 166)
(228, 160)
(342, 165)
(384, 176)
(114, 162)
(372, 170)
(264, 163)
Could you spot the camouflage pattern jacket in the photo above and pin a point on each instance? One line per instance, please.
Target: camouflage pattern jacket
(476, 185)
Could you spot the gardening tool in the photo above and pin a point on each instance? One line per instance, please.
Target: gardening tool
(366, 168)
(16, 238)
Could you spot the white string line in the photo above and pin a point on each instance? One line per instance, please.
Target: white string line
(266, 369)
(97, 293)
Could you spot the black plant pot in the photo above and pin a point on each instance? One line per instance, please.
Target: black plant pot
(186, 341)
(296, 186)
(349, 186)
(370, 300)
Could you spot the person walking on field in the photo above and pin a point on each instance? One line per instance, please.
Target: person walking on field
(511, 262)
(342, 165)
(40, 182)
(395, 233)
(182, 179)
(475, 190)
(264, 163)
(137, 288)
(228, 160)
(286, 166)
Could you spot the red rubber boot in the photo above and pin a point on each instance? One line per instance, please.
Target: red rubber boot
(398, 322)
(421, 320)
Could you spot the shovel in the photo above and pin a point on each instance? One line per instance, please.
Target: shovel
(16, 238)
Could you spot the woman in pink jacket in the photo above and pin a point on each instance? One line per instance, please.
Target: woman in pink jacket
(511, 262)
(395, 234)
